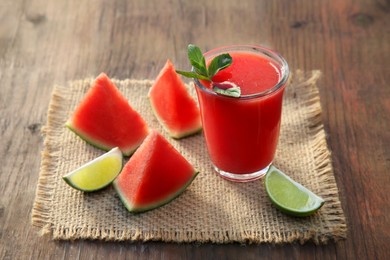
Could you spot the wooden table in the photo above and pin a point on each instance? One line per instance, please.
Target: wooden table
(43, 43)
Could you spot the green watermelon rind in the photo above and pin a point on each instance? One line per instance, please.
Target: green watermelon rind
(143, 208)
(95, 143)
(173, 134)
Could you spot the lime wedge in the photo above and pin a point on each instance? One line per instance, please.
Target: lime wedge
(97, 173)
(289, 196)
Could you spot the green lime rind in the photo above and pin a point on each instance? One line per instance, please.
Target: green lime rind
(69, 178)
(143, 208)
(290, 196)
(70, 183)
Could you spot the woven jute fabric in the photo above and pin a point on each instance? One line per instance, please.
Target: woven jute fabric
(212, 209)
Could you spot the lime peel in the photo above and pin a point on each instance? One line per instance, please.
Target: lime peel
(98, 173)
(290, 196)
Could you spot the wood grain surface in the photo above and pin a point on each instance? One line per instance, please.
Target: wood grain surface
(43, 43)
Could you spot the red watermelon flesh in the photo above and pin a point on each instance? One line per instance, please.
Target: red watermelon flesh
(156, 174)
(173, 106)
(105, 119)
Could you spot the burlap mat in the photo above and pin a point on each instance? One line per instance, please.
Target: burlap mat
(211, 209)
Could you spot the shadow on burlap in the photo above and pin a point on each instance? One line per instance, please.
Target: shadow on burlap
(211, 209)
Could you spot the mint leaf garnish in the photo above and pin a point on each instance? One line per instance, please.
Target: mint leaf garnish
(197, 60)
(190, 74)
(201, 71)
(219, 63)
(227, 88)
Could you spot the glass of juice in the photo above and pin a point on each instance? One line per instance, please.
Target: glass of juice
(242, 133)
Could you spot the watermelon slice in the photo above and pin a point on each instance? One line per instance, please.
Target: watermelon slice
(156, 174)
(173, 106)
(105, 119)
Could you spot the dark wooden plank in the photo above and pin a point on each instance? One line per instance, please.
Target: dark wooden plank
(43, 43)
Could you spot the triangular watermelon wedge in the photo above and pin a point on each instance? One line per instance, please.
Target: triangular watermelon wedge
(105, 119)
(156, 174)
(172, 104)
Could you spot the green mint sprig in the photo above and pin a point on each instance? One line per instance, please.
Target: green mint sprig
(201, 71)
(227, 88)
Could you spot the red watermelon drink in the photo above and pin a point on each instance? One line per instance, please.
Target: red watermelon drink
(242, 132)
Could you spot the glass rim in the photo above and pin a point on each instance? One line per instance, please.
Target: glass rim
(275, 56)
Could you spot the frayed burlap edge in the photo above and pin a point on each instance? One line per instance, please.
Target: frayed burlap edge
(305, 86)
(40, 215)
